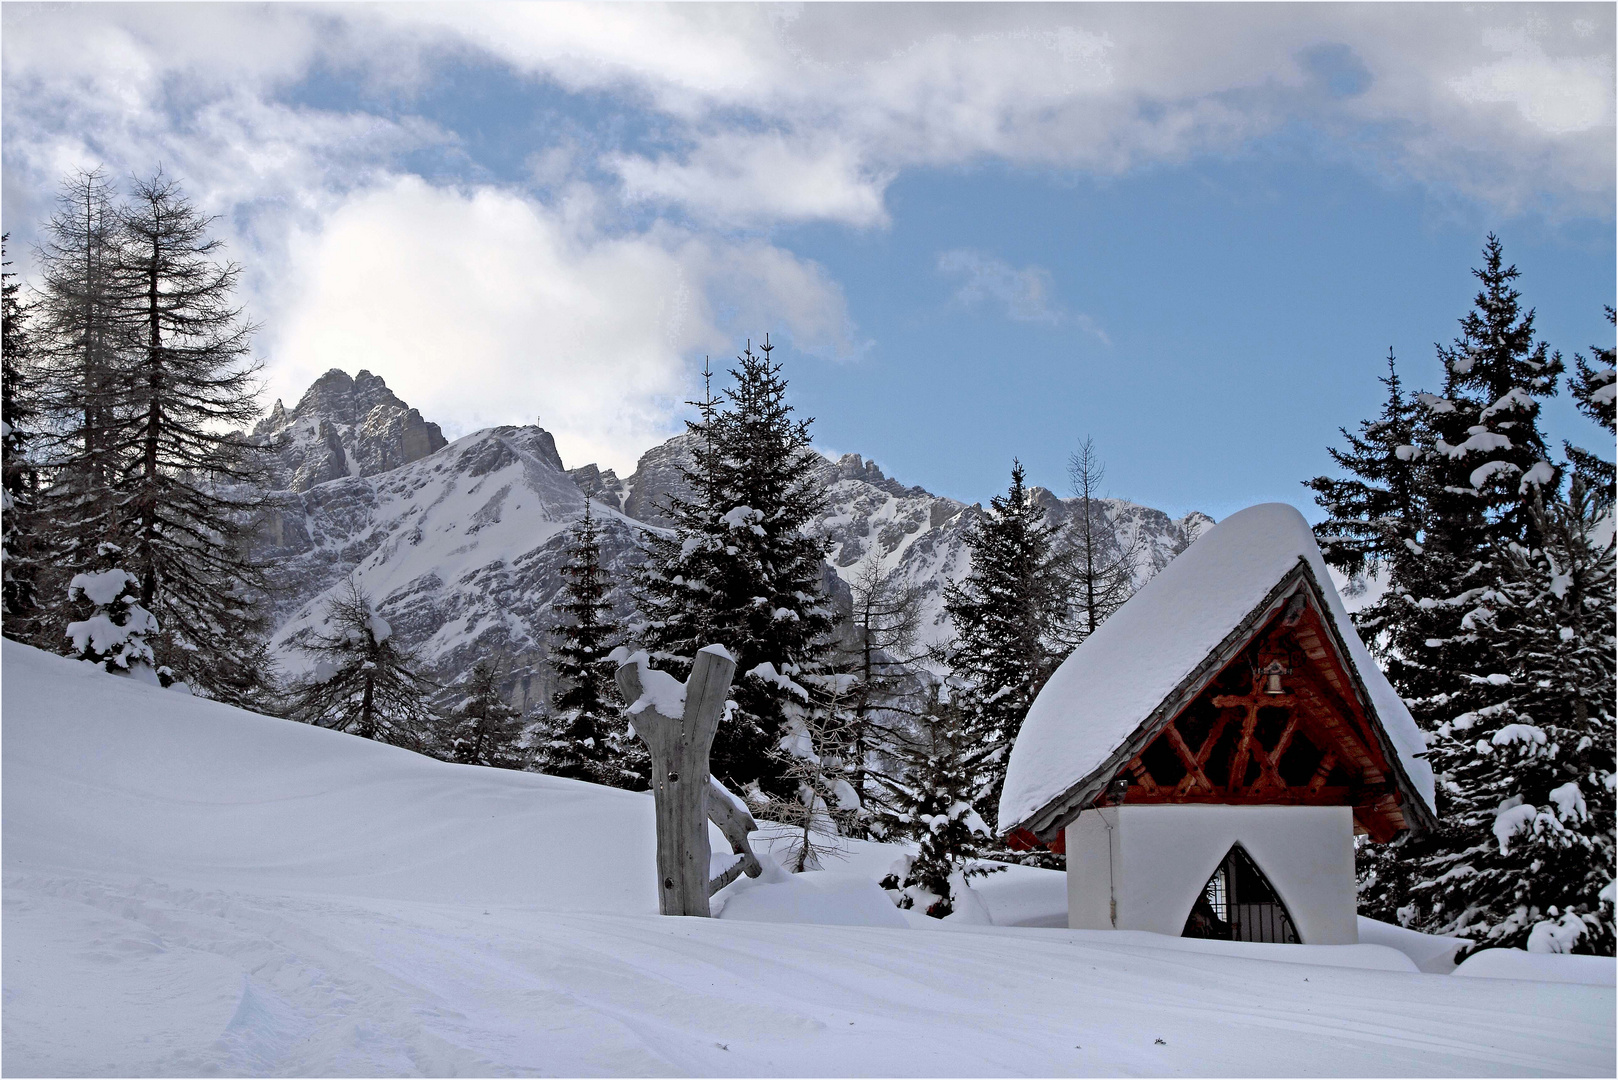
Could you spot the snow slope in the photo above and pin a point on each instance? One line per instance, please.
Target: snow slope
(190, 889)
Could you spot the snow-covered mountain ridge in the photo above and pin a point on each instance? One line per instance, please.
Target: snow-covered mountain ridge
(461, 545)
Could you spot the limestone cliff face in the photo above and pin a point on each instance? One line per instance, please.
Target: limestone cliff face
(461, 546)
(344, 426)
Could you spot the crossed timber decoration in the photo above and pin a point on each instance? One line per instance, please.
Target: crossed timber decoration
(686, 795)
(1238, 758)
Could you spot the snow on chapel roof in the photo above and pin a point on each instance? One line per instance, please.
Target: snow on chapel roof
(1147, 651)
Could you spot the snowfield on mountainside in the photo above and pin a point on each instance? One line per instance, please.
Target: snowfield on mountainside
(192, 889)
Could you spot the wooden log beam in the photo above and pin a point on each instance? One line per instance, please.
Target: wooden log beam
(1259, 700)
(1193, 771)
(1327, 764)
(1270, 760)
(679, 751)
(1238, 762)
(1292, 796)
(1138, 770)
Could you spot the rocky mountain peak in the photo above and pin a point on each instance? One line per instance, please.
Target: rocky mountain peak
(344, 426)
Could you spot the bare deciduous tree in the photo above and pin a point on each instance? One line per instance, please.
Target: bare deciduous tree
(1104, 561)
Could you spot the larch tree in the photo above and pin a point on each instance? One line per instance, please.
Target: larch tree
(816, 759)
(881, 655)
(185, 476)
(486, 729)
(364, 682)
(1013, 623)
(1103, 568)
(743, 566)
(584, 736)
(19, 475)
(80, 334)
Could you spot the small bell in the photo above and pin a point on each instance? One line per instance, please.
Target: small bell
(1272, 673)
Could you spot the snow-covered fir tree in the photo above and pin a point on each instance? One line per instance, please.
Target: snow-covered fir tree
(933, 801)
(1523, 856)
(486, 729)
(1375, 522)
(1477, 469)
(1012, 619)
(1485, 461)
(363, 682)
(116, 630)
(584, 735)
(1595, 391)
(19, 476)
(742, 566)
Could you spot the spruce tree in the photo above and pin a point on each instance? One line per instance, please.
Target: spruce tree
(584, 736)
(743, 565)
(486, 729)
(19, 475)
(933, 799)
(116, 629)
(1376, 516)
(1595, 390)
(187, 385)
(1523, 856)
(1485, 461)
(363, 682)
(1487, 422)
(1012, 623)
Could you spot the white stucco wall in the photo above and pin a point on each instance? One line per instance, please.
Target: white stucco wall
(1141, 867)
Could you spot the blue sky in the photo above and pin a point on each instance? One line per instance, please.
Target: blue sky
(977, 232)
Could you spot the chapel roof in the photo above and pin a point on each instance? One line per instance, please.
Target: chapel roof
(1132, 677)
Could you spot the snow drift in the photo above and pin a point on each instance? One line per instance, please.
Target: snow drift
(190, 889)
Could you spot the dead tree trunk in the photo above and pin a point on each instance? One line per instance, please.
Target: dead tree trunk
(680, 782)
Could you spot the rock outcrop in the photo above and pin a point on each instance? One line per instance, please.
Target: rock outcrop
(344, 427)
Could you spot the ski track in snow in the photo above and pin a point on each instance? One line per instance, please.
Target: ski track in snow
(191, 890)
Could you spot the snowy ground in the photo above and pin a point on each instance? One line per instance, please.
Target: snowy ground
(193, 890)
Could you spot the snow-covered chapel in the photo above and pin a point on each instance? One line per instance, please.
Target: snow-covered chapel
(1207, 756)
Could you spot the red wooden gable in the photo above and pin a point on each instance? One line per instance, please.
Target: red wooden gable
(1239, 743)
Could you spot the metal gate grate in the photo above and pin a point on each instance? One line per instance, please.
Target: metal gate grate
(1240, 904)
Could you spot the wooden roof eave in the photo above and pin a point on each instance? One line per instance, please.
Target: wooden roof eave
(1411, 804)
(1048, 822)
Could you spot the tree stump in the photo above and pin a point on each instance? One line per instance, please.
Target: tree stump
(680, 781)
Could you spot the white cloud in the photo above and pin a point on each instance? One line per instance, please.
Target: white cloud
(749, 179)
(846, 96)
(485, 307)
(1025, 294)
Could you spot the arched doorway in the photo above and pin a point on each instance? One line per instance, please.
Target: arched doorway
(1240, 904)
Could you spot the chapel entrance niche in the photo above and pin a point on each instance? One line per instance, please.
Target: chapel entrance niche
(1240, 904)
